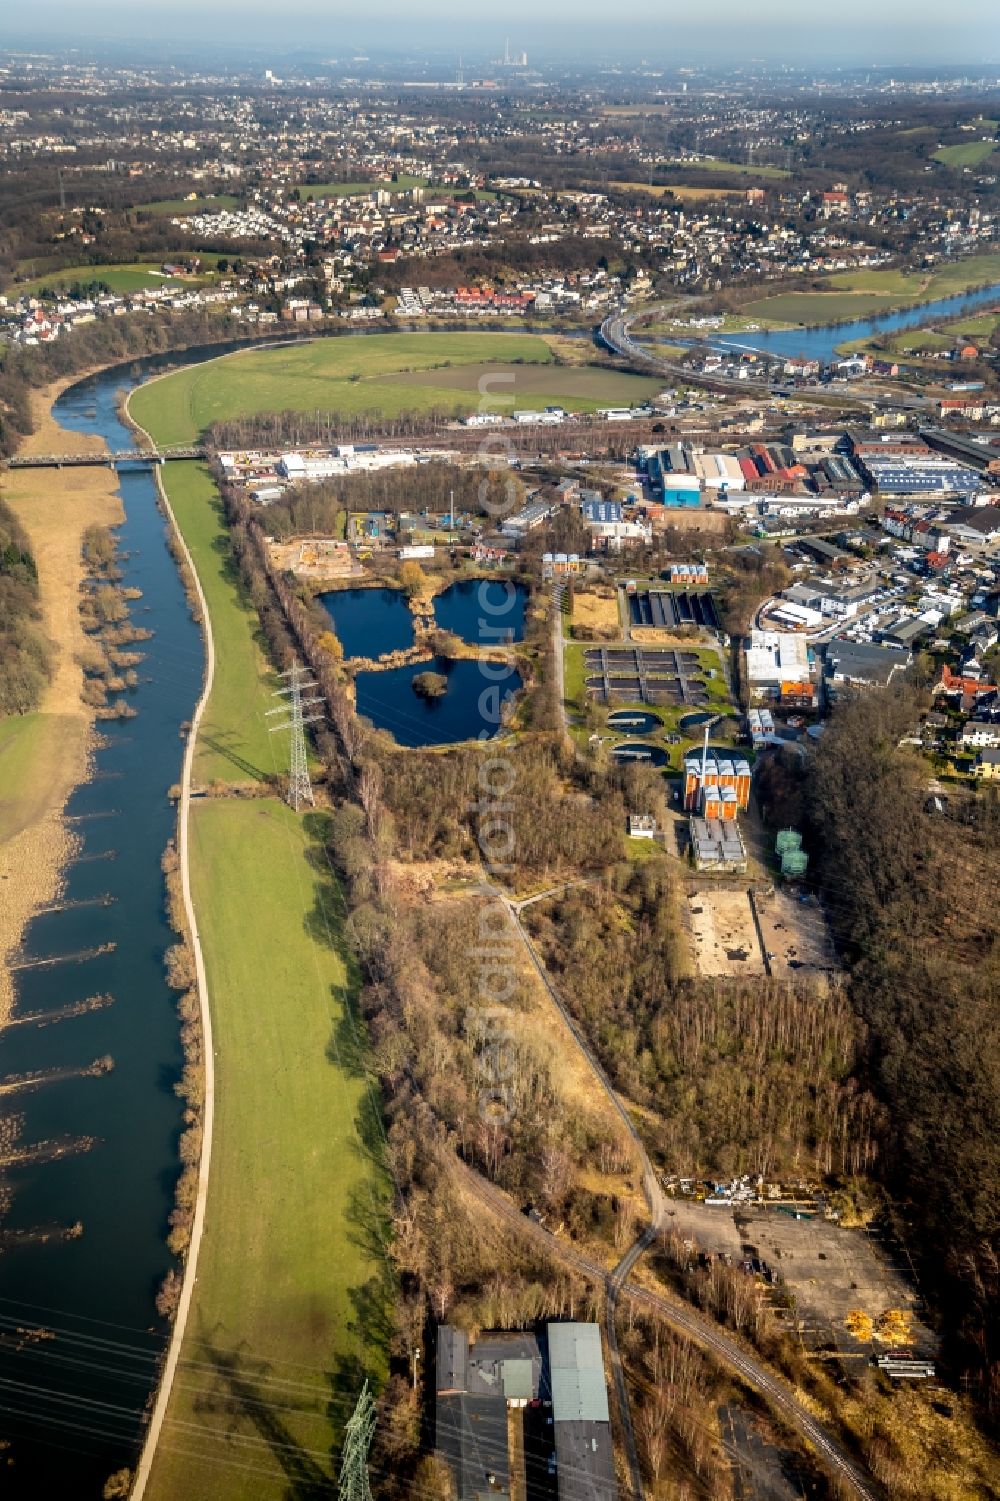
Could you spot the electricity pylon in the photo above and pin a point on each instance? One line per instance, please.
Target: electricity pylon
(354, 1484)
(299, 786)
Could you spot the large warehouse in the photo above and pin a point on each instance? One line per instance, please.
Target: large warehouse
(774, 658)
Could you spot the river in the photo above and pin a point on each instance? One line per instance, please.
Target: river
(71, 1407)
(822, 342)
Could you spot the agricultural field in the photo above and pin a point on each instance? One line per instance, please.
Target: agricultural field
(717, 164)
(310, 190)
(678, 189)
(234, 744)
(134, 278)
(584, 388)
(375, 374)
(857, 294)
(966, 153)
(293, 1298)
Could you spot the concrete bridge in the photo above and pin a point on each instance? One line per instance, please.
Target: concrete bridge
(109, 460)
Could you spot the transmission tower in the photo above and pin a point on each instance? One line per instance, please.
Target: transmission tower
(354, 1484)
(295, 718)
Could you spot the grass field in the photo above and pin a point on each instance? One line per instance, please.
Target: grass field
(856, 294)
(679, 190)
(584, 388)
(292, 1294)
(176, 206)
(355, 375)
(234, 744)
(966, 153)
(33, 751)
(135, 278)
(311, 190)
(718, 164)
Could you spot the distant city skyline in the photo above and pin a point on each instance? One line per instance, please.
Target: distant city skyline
(859, 34)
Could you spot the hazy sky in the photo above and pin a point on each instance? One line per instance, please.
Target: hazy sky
(863, 32)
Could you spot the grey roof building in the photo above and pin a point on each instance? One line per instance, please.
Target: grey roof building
(860, 662)
(481, 1385)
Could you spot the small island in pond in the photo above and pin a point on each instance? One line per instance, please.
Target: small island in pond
(430, 684)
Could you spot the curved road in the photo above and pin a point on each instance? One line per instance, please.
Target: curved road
(615, 333)
(687, 1321)
(682, 1317)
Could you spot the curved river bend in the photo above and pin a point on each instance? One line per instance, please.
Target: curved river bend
(823, 341)
(71, 1407)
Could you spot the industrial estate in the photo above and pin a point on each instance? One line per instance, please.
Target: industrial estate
(499, 745)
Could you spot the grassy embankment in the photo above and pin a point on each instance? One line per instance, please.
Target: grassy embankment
(292, 1299)
(388, 374)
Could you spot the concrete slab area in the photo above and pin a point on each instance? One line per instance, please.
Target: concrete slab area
(723, 935)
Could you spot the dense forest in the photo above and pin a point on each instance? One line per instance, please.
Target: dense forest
(24, 651)
(912, 894)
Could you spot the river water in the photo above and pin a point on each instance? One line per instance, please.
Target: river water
(822, 343)
(71, 1407)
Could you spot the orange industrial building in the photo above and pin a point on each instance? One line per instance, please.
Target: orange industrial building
(716, 786)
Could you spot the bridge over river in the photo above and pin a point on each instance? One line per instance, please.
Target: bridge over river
(111, 460)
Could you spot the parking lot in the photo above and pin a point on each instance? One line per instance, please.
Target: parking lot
(827, 1270)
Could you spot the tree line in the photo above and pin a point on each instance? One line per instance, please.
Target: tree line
(911, 895)
(25, 653)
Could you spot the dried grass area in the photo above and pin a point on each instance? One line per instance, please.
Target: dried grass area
(596, 611)
(54, 507)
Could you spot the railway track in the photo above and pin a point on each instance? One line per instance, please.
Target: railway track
(680, 1316)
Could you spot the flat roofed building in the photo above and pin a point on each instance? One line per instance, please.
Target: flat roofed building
(481, 1383)
(716, 776)
(585, 1469)
(716, 845)
(775, 657)
(862, 663)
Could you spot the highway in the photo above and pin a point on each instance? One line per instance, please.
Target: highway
(616, 335)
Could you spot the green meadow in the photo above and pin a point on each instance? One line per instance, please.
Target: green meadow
(380, 373)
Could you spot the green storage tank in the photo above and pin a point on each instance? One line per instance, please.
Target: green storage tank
(788, 839)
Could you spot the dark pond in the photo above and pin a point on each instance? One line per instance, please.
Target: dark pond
(483, 611)
(72, 1406)
(469, 709)
(696, 721)
(370, 622)
(647, 755)
(633, 722)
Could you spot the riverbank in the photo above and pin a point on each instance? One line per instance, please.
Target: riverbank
(281, 1272)
(44, 756)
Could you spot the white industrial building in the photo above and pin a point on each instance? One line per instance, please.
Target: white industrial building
(719, 471)
(774, 658)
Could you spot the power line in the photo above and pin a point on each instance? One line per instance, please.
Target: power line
(354, 1482)
(295, 720)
